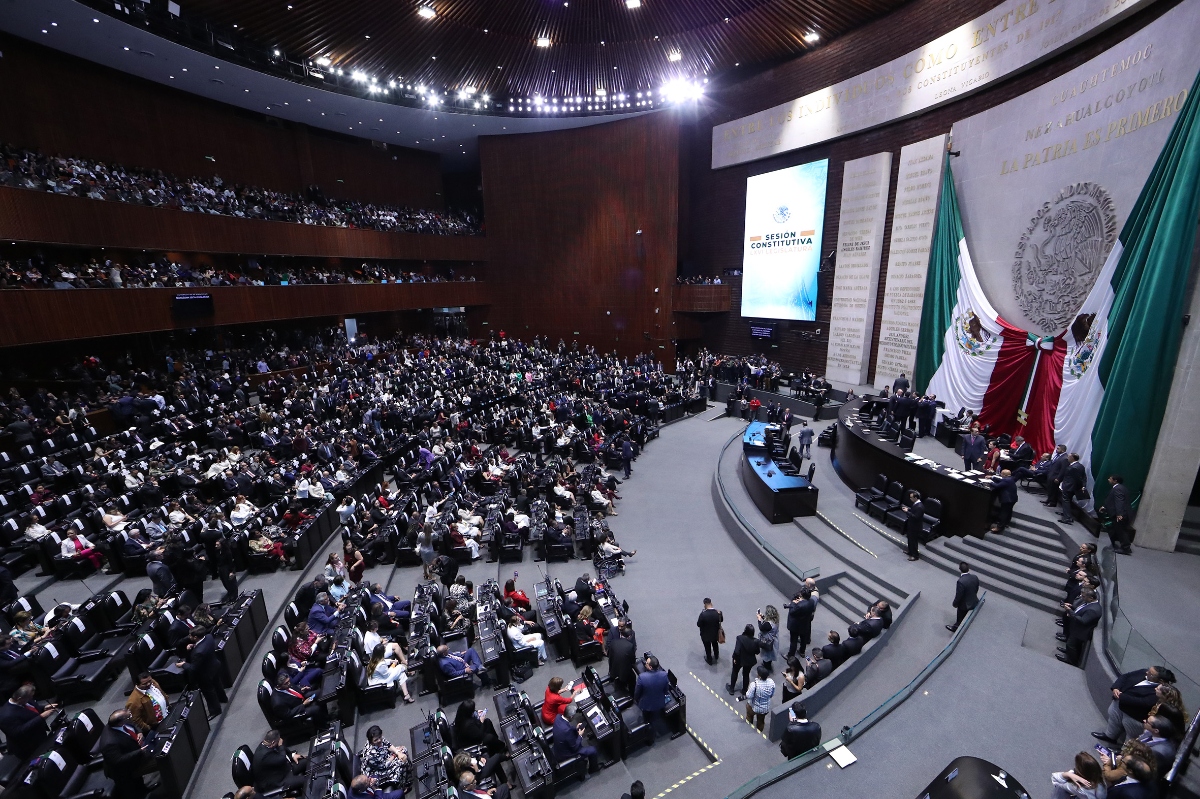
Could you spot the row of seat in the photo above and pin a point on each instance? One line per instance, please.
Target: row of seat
(884, 500)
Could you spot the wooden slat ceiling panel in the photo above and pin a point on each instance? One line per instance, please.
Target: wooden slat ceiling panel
(490, 44)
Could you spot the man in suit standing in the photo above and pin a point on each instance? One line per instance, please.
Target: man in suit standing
(276, 766)
(203, 667)
(914, 523)
(159, 573)
(24, 723)
(1133, 697)
(926, 411)
(804, 439)
(627, 457)
(1116, 505)
(900, 384)
(709, 623)
(567, 739)
(799, 620)
(125, 756)
(1079, 624)
(1074, 479)
(650, 694)
(973, 446)
(801, 734)
(1054, 474)
(622, 653)
(1005, 490)
(966, 595)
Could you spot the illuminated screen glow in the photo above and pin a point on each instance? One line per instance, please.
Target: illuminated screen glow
(785, 215)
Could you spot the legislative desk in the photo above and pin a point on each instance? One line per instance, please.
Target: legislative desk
(180, 739)
(337, 694)
(321, 775)
(860, 454)
(549, 615)
(780, 497)
(600, 715)
(534, 772)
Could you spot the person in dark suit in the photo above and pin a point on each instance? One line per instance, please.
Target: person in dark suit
(203, 668)
(125, 756)
(1054, 475)
(745, 657)
(709, 623)
(159, 573)
(1134, 694)
(622, 653)
(277, 767)
(801, 734)
(926, 412)
(966, 595)
(799, 620)
(1118, 509)
(1079, 624)
(973, 446)
(1074, 479)
(23, 722)
(1005, 490)
(15, 668)
(8, 589)
(289, 702)
(181, 627)
(900, 383)
(870, 627)
(627, 457)
(816, 668)
(650, 694)
(914, 523)
(834, 651)
(567, 742)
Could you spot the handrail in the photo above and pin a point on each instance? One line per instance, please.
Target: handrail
(800, 574)
(849, 733)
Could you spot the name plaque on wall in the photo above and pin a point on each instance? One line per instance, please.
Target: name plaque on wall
(920, 178)
(865, 184)
(1008, 39)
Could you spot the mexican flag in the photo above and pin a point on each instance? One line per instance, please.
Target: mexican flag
(1101, 386)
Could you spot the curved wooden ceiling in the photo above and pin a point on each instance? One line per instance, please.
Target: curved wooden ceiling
(491, 44)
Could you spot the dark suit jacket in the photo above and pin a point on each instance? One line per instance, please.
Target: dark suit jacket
(709, 623)
(1058, 467)
(271, 767)
(1023, 452)
(1006, 490)
(745, 650)
(915, 518)
(285, 705)
(14, 668)
(866, 629)
(8, 589)
(178, 630)
(966, 591)
(1117, 502)
(834, 653)
(799, 737)
(1136, 700)
(1074, 479)
(1133, 790)
(123, 758)
(24, 729)
(800, 615)
(621, 656)
(566, 740)
(1083, 620)
(650, 693)
(973, 447)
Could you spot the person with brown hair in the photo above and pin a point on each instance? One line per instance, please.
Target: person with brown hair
(1085, 781)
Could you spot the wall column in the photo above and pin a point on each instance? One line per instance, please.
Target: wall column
(1177, 452)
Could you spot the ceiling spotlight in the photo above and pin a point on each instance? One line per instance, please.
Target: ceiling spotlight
(324, 61)
(674, 55)
(633, 3)
(812, 37)
(426, 12)
(276, 52)
(486, 98)
(463, 95)
(359, 76)
(601, 92)
(543, 41)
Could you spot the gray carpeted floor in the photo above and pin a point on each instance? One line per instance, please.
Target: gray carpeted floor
(993, 698)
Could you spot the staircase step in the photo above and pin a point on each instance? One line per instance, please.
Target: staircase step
(863, 585)
(1012, 569)
(1190, 546)
(838, 604)
(1055, 558)
(1002, 583)
(1036, 532)
(1051, 565)
(856, 594)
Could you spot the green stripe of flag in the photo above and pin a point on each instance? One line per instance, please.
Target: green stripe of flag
(1145, 324)
(941, 284)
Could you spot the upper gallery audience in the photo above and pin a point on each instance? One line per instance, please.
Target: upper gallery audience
(82, 177)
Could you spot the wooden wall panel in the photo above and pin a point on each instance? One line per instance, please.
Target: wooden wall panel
(564, 210)
(702, 299)
(39, 316)
(65, 105)
(716, 207)
(27, 215)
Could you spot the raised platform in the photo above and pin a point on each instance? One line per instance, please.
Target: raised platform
(780, 497)
(800, 408)
(859, 455)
